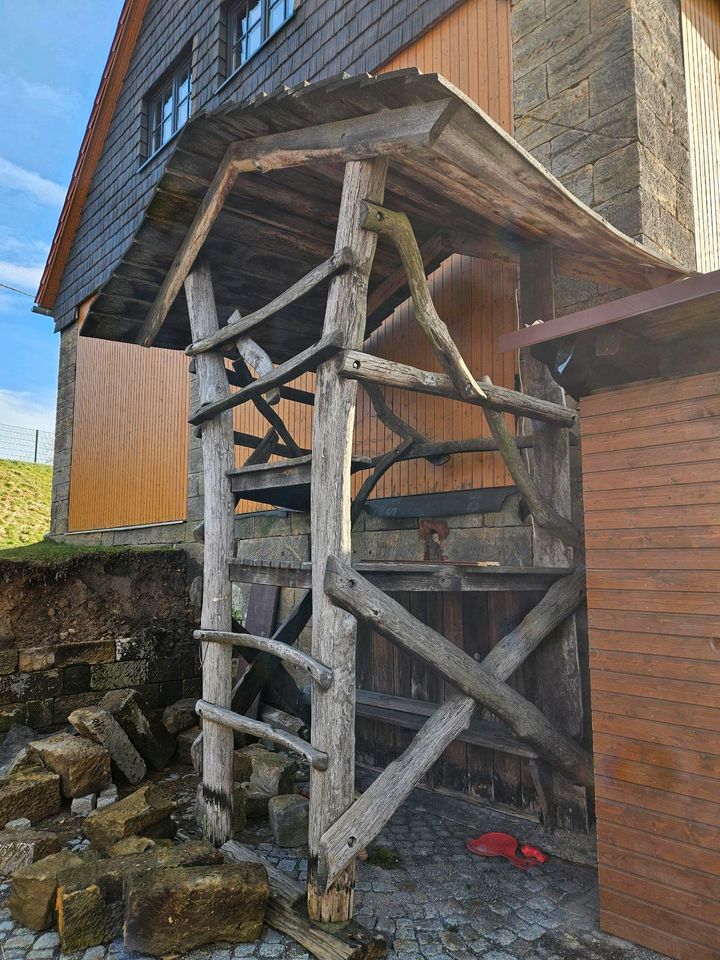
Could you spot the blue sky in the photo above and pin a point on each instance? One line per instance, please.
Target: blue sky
(52, 53)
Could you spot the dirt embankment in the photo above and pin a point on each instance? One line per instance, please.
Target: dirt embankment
(94, 596)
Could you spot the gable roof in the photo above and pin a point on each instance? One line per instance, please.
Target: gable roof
(123, 44)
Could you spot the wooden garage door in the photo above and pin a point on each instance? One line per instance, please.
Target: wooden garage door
(651, 463)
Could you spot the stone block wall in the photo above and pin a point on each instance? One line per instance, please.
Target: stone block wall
(70, 631)
(600, 101)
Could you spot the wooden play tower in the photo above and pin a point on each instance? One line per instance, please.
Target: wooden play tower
(416, 173)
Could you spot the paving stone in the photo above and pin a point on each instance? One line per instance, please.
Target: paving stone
(83, 766)
(19, 848)
(107, 796)
(99, 725)
(135, 814)
(149, 736)
(82, 806)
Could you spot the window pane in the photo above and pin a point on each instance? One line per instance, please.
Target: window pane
(182, 113)
(277, 15)
(254, 40)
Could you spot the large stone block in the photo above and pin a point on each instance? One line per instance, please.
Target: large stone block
(270, 772)
(83, 766)
(149, 737)
(91, 651)
(64, 706)
(39, 713)
(34, 793)
(174, 911)
(133, 815)
(20, 848)
(180, 715)
(10, 714)
(99, 725)
(90, 898)
(32, 896)
(8, 661)
(289, 818)
(36, 658)
(114, 676)
(21, 687)
(76, 678)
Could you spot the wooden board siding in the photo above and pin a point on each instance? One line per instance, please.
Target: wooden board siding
(651, 462)
(130, 436)
(471, 48)
(701, 45)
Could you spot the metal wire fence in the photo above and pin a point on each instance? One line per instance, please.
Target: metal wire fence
(24, 443)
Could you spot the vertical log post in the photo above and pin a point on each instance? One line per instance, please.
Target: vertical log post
(218, 460)
(557, 660)
(334, 630)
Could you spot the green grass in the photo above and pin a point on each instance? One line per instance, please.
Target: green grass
(25, 490)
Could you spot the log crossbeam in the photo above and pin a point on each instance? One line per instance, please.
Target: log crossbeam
(318, 671)
(480, 683)
(264, 731)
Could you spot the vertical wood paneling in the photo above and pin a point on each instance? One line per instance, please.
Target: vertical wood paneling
(652, 519)
(476, 298)
(701, 43)
(130, 436)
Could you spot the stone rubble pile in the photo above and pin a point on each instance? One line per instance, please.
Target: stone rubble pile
(130, 877)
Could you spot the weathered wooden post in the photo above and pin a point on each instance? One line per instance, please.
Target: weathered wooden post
(218, 461)
(334, 630)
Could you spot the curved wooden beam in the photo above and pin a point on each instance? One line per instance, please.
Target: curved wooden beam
(318, 671)
(255, 728)
(396, 227)
(541, 511)
(394, 422)
(259, 360)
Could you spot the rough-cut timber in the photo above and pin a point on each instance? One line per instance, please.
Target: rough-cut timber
(364, 367)
(318, 671)
(351, 591)
(255, 728)
(218, 460)
(333, 636)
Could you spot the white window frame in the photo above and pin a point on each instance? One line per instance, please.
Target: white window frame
(164, 123)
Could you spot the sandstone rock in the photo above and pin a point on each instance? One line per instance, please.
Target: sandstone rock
(15, 743)
(185, 740)
(107, 796)
(8, 661)
(180, 716)
(118, 676)
(133, 815)
(33, 793)
(19, 848)
(173, 911)
(92, 651)
(32, 897)
(256, 801)
(99, 725)
(271, 773)
(22, 823)
(82, 806)
(132, 845)
(289, 817)
(83, 766)
(89, 898)
(36, 658)
(148, 736)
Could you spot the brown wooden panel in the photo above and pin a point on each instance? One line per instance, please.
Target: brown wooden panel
(648, 664)
(651, 490)
(684, 714)
(130, 436)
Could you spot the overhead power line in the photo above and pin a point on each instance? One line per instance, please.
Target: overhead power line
(7, 286)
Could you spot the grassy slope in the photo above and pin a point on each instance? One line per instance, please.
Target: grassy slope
(24, 502)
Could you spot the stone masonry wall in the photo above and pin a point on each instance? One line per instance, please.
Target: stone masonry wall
(600, 101)
(72, 630)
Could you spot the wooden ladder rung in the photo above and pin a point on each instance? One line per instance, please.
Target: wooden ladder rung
(321, 674)
(255, 728)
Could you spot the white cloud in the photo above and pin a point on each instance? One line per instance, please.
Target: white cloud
(25, 277)
(19, 408)
(42, 189)
(44, 98)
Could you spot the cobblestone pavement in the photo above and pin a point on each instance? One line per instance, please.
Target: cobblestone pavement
(438, 902)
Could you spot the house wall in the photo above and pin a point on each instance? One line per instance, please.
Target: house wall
(701, 42)
(651, 477)
(600, 101)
